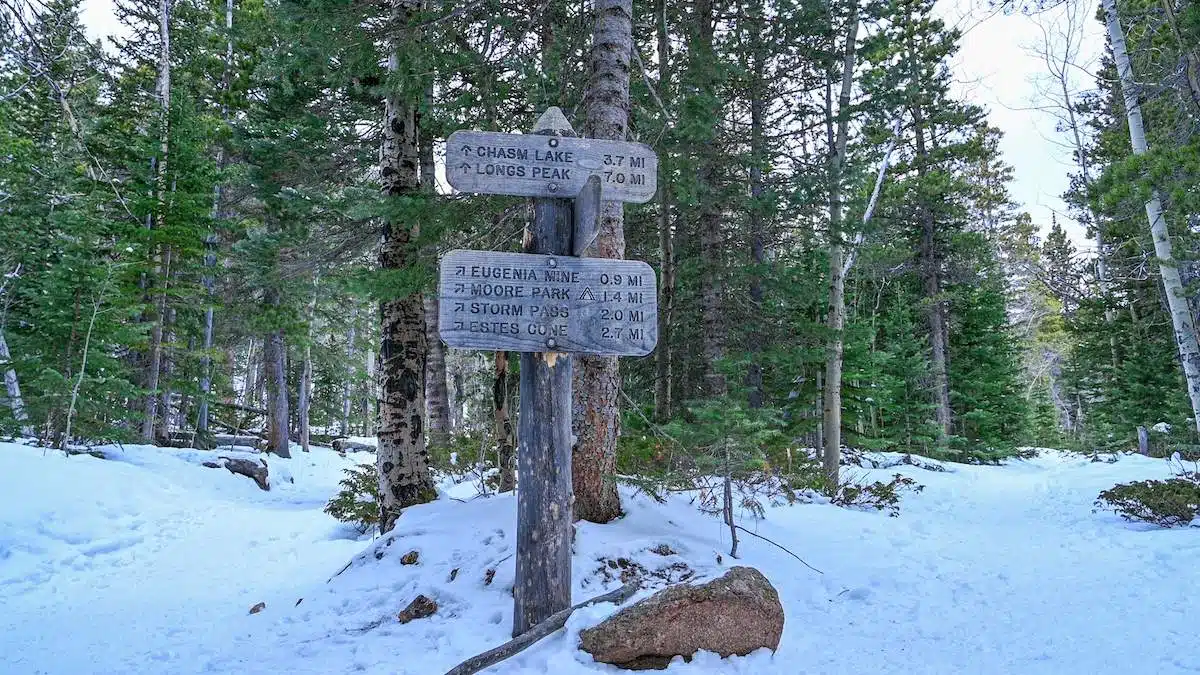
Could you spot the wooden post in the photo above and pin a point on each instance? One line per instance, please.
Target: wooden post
(1143, 441)
(543, 559)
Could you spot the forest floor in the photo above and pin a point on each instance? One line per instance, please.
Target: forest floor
(149, 563)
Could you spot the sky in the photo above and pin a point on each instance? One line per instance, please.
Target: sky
(995, 68)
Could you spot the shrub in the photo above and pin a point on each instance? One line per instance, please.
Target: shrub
(1168, 503)
(357, 502)
(878, 495)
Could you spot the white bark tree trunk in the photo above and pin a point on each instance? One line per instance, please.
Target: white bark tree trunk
(832, 418)
(1181, 315)
(402, 458)
(12, 388)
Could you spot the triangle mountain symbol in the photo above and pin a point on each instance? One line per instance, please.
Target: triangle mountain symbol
(587, 294)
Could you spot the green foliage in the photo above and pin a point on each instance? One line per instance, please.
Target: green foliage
(357, 502)
(1171, 503)
(876, 495)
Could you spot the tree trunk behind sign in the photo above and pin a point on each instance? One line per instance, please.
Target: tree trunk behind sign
(403, 461)
(598, 378)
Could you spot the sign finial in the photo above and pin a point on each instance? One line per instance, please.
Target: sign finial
(553, 122)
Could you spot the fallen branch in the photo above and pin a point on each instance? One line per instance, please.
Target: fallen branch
(524, 640)
(753, 534)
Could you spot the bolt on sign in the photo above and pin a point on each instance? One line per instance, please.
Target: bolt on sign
(543, 303)
(532, 165)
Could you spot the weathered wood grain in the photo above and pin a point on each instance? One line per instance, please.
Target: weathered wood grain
(531, 165)
(544, 303)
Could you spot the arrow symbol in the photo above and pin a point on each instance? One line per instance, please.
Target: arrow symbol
(466, 151)
(464, 166)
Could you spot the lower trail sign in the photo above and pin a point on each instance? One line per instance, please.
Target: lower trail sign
(545, 303)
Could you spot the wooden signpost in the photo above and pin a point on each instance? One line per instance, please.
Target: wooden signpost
(547, 304)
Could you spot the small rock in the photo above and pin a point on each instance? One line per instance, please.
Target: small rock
(663, 550)
(734, 614)
(211, 465)
(488, 576)
(298, 602)
(410, 558)
(453, 574)
(419, 608)
(258, 608)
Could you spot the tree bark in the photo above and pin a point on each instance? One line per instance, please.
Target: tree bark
(403, 461)
(210, 240)
(304, 397)
(663, 389)
(1181, 315)
(12, 387)
(277, 392)
(758, 161)
(832, 395)
(929, 262)
(436, 392)
(347, 389)
(597, 379)
(711, 239)
(160, 180)
(503, 424)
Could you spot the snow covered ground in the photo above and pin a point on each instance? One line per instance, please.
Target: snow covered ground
(149, 563)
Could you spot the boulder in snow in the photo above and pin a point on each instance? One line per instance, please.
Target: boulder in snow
(734, 614)
(419, 608)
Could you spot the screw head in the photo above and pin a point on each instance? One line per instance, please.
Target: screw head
(553, 187)
(552, 262)
(550, 342)
(554, 142)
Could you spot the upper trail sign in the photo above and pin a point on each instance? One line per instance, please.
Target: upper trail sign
(532, 165)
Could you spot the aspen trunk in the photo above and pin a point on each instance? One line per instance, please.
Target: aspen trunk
(832, 395)
(347, 389)
(162, 429)
(1181, 315)
(503, 424)
(597, 379)
(304, 396)
(436, 392)
(666, 240)
(403, 461)
(12, 387)
(249, 384)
